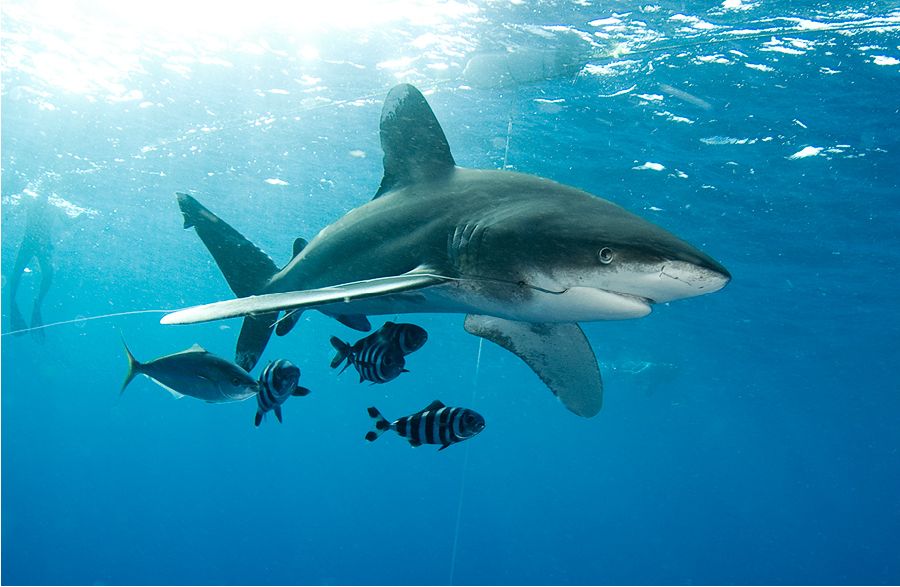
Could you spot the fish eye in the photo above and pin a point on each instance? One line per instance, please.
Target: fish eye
(235, 381)
(605, 255)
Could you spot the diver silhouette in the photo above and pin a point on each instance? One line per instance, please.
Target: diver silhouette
(37, 244)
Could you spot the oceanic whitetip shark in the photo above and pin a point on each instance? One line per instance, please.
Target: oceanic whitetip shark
(525, 258)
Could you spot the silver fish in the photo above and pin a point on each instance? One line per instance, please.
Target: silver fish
(197, 373)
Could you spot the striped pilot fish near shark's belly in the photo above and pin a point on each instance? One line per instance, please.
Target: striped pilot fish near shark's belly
(380, 356)
(278, 381)
(435, 424)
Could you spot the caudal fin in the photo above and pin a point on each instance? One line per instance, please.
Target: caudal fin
(255, 334)
(246, 268)
(343, 352)
(381, 425)
(134, 368)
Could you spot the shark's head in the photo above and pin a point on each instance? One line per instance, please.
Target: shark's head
(618, 253)
(603, 262)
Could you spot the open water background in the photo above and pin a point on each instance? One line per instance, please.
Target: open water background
(749, 436)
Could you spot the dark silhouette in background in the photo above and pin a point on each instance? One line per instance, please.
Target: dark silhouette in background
(37, 244)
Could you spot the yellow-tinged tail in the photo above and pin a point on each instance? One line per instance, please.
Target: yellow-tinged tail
(134, 368)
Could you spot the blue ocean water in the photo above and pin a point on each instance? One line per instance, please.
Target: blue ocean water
(749, 436)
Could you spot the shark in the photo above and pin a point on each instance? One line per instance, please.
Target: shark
(525, 258)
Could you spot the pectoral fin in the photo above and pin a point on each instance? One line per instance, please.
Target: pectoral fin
(265, 303)
(288, 322)
(559, 353)
(355, 321)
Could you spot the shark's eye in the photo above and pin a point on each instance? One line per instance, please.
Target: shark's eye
(605, 255)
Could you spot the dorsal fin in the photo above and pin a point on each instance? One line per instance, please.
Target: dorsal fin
(415, 148)
(299, 245)
(433, 406)
(196, 348)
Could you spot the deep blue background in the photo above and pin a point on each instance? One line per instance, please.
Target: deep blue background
(759, 444)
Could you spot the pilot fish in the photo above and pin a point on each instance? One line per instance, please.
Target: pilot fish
(379, 357)
(277, 382)
(197, 373)
(435, 424)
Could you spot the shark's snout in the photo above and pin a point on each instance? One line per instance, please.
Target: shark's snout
(686, 279)
(716, 269)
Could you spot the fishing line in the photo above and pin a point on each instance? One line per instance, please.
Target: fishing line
(84, 319)
(465, 467)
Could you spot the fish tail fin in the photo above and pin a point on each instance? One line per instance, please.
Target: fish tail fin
(246, 268)
(343, 352)
(259, 417)
(134, 368)
(381, 425)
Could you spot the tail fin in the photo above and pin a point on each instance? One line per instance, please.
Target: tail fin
(343, 352)
(134, 368)
(246, 268)
(381, 424)
(255, 334)
(259, 417)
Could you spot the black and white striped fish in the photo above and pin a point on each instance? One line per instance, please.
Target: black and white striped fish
(436, 424)
(379, 357)
(277, 382)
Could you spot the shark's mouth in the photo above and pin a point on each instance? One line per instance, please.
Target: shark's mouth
(639, 299)
(584, 303)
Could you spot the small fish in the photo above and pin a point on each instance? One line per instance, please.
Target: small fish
(436, 424)
(277, 382)
(197, 373)
(379, 357)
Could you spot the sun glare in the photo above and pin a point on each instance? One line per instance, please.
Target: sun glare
(236, 19)
(92, 47)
